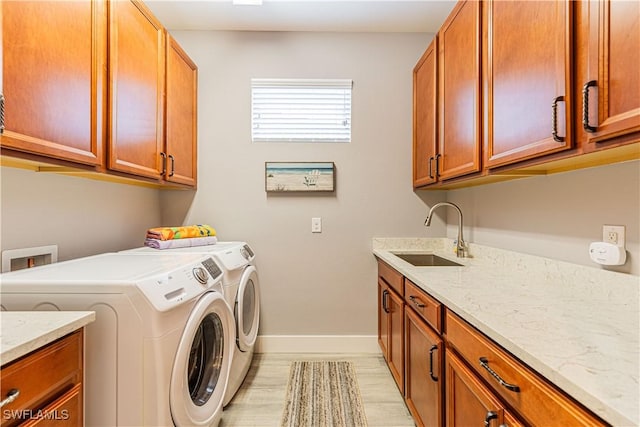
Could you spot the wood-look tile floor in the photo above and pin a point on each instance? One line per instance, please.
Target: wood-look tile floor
(260, 400)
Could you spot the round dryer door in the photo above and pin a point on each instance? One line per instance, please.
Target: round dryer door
(247, 309)
(202, 363)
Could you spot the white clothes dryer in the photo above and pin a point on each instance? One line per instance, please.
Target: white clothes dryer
(159, 352)
(241, 288)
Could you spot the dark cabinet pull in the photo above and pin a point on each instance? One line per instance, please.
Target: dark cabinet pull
(384, 300)
(431, 168)
(164, 163)
(431, 350)
(438, 164)
(415, 300)
(490, 416)
(554, 119)
(585, 106)
(1, 113)
(485, 364)
(173, 165)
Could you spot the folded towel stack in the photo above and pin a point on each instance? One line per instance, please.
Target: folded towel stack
(180, 237)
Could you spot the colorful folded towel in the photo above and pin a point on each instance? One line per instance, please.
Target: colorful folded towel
(180, 243)
(185, 232)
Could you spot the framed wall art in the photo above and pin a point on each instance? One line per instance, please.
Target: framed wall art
(282, 177)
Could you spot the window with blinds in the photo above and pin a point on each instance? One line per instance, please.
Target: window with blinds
(294, 110)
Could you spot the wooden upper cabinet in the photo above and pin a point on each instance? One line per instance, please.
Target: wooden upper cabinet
(136, 80)
(425, 106)
(459, 91)
(527, 79)
(54, 56)
(181, 115)
(611, 92)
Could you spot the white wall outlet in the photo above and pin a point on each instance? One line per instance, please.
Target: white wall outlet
(316, 225)
(613, 234)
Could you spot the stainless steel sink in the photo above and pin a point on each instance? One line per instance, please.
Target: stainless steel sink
(426, 260)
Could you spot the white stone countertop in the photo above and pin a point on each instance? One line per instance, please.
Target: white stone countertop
(22, 332)
(577, 326)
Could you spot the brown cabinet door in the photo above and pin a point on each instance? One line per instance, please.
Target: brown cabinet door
(469, 402)
(181, 118)
(395, 304)
(459, 91)
(423, 378)
(425, 124)
(136, 70)
(613, 105)
(527, 79)
(54, 56)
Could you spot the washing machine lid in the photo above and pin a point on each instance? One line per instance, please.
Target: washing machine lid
(202, 364)
(247, 309)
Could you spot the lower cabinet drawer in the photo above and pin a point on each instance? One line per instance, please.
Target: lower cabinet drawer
(42, 377)
(66, 411)
(531, 396)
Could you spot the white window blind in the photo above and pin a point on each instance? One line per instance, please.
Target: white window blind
(301, 110)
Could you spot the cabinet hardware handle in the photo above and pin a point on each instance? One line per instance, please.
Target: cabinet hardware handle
(1, 113)
(554, 119)
(490, 416)
(430, 168)
(438, 164)
(431, 350)
(485, 364)
(164, 163)
(173, 165)
(11, 396)
(384, 300)
(585, 106)
(415, 300)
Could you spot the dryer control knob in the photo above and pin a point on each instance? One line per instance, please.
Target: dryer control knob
(244, 253)
(201, 275)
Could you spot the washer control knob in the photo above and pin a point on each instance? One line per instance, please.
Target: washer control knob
(201, 275)
(244, 253)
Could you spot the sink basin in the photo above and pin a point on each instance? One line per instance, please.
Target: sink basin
(426, 260)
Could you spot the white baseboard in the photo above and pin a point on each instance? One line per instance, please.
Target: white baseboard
(317, 344)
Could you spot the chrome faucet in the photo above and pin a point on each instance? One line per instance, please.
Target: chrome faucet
(461, 248)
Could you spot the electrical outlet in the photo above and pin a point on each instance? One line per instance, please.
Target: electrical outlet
(613, 234)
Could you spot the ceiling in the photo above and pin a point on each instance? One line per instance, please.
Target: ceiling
(304, 15)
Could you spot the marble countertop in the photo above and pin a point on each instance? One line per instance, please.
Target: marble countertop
(21, 332)
(577, 326)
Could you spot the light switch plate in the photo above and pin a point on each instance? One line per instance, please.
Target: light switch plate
(316, 225)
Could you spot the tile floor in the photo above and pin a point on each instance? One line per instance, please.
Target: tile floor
(260, 400)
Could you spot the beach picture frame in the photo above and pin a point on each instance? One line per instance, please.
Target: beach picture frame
(284, 177)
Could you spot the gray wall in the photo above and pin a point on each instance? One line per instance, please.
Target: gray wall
(555, 216)
(312, 284)
(82, 216)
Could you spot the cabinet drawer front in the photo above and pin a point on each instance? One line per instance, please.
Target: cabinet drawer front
(423, 304)
(537, 401)
(390, 276)
(65, 411)
(44, 375)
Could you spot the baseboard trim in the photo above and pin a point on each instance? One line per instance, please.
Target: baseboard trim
(317, 344)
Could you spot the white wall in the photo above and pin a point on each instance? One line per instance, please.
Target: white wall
(555, 216)
(82, 216)
(312, 284)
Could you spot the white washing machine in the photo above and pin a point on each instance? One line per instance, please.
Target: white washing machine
(159, 352)
(241, 290)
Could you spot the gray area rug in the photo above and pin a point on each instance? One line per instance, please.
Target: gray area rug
(323, 394)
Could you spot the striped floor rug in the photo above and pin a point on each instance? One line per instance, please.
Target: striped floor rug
(323, 394)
